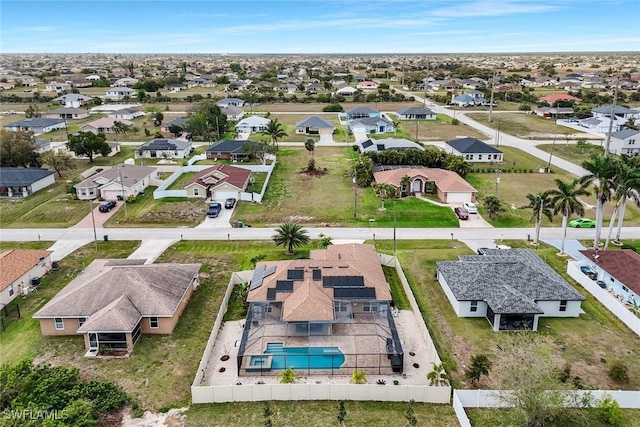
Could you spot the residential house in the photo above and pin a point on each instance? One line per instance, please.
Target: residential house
(346, 91)
(397, 144)
(104, 125)
(554, 112)
(225, 102)
(118, 182)
(118, 93)
(126, 113)
(601, 124)
(180, 122)
(125, 82)
(415, 113)
(252, 124)
(229, 149)
(162, 148)
(511, 288)
(22, 182)
(73, 100)
(469, 99)
(338, 299)
(618, 269)
(233, 113)
(58, 87)
(21, 271)
(112, 302)
(556, 97)
(314, 88)
(474, 150)
(37, 125)
(625, 141)
(620, 112)
(67, 113)
(372, 125)
(314, 126)
(219, 182)
(361, 113)
(447, 185)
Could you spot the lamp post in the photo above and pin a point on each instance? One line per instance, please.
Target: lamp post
(124, 197)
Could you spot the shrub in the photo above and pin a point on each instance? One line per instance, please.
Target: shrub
(610, 411)
(333, 108)
(619, 372)
(455, 121)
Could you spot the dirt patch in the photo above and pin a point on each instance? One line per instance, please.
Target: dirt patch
(315, 172)
(173, 418)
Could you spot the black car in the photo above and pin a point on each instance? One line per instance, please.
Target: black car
(214, 210)
(107, 206)
(230, 203)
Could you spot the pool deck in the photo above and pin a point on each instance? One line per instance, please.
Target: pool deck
(230, 334)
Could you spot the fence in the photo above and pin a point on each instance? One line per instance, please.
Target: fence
(490, 399)
(605, 298)
(8, 315)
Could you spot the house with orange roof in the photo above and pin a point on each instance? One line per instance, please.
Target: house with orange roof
(329, 314)
(555, 97)
(219, 182)
(447, 185)
(21, 271)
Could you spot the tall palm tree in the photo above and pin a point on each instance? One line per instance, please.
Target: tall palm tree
(602, 171)
(438, 376)
(493, 205)
(628, 179)
(291, 235)
(310, 146)
(540, 206)
(275, 131)
(564, 199)
(404, 184)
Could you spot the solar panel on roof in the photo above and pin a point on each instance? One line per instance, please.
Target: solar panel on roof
(284, 285)
(271, 294)
(317, 274)
(295, 274)
(259, 274)
(342, 281)
(354, 293)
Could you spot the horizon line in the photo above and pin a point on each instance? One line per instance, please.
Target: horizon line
(636, 52)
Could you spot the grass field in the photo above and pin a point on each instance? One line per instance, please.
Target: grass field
(572, 152)
(440, 129)
(497, 418)
(524, 125)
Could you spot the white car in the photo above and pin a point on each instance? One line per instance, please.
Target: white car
(470, 207)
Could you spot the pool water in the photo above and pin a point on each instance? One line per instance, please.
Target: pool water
(304, 357)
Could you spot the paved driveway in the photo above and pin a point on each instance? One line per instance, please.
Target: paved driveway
(222, 221)
(100, 217)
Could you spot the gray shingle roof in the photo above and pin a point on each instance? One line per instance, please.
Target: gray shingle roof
(315, 122)
(625, 133)
(229, 146)
(181, 121)
(509, 280)
(35, 122)
(416, 111)
(129, 174)
(606, 109)
(22, 177)
(471, 146)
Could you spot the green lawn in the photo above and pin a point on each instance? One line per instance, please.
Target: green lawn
(524, 125)
(514, 158)
(182, 180)
(572, 152)
(497, 418)
(397, 291)
(440, 129)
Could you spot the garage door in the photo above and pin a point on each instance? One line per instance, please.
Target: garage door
(222, 195)
(458, 197)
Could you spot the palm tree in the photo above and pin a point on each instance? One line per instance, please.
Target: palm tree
(288, 376)
(628, 186)
(438, 376)
(359, 377)
(602, 171)
(564, 199)
(539, 205)
(275, 131)
(310, 146)
(291, 235)
(404, 182)
(493, 205)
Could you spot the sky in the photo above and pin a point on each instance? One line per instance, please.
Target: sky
(324, 26)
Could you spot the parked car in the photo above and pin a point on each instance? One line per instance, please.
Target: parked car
(214, 210)
(462, 213)
(587, 271)
(482, 251)
(230, 203)
(107, 206)
(602, 284)
(470, 207)
(583, 223)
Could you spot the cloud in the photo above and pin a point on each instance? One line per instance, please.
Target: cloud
(494, 8)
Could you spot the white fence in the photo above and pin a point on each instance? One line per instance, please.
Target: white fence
(489, 398)
(260, 392)
(459, 410)
(608, 300)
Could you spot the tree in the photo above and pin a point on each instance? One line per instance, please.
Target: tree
(342, 414)
(404, 182)
(628, 180)
(32, 111)
(275, 131)
(358, 377)
(535, 395)
(438, 376)
(493, 205)
(602, 171)
(120, 127)
(409, 414)
(564, 200)
(291, 235)
(310, 146)
(17, 149)
(157, 118)
(288, 376)
(88, 144)
(362, 171)
(58, 161)
(258, 150)
(540, 206)
(175, 130)
(480, 365)
(256, 259)
(324, 241)
(206, 119)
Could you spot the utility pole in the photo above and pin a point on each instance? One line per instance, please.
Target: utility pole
(355, 194)
(493, 85)
(417, 122)
(93, 220)
(539, 220)
(498, 132)
(611, 118)
(394, 226)
(553, 147)
(497, 180)
(124, 197)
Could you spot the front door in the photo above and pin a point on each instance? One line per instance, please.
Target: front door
(93, 342)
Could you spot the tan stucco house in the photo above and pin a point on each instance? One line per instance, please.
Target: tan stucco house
(219, 182)
(20, 271)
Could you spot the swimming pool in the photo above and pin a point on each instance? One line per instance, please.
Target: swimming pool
(304, 357)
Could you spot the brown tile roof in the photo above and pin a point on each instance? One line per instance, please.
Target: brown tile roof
(559, 97)
(309, 299)
(153, 290)
(16, 262)
(230, 174)
(447, 181)
(623, 264)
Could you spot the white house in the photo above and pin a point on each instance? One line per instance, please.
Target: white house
(104, 125)
(372, 125)
(252, 124)
(58, 87)
(346, 91)
(21, 271)
(73, 100)
(314, 126)
(22, 182)
(163, 148)
(618, 269)
(219, 182)
(473, 150)
(415, 113)
(625, 141)
(225, 102)
(621, 112)
(511, 288)
(126, 113)
(118, 182)
(232, 112)
(38, 125)
(367, 84)
(117, 93)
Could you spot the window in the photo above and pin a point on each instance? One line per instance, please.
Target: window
(474, 306)
(195, 191)
(479, 156)
(624, 288)
(81, 321)
(370, 307)
(153, 322)
(340, 306)
(10, 290)
(59, 323)
(563, 305)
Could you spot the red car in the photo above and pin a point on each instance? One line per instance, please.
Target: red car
(462, 213)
